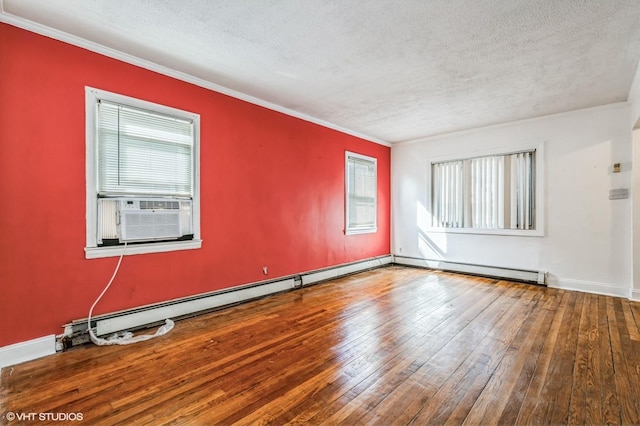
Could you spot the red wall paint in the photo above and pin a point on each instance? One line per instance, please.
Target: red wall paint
(272, 191)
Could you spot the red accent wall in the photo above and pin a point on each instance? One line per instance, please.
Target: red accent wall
(272, 191)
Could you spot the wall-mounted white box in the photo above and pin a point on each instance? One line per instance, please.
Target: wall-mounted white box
(618, 194)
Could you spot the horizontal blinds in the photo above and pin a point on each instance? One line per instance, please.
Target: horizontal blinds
(361, 193)
(141, 152)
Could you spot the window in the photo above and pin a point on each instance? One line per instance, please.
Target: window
(143, 153)
(493, 192)
(361, 193)
(140, 150)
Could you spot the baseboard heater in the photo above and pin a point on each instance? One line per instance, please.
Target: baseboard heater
(76, 332)
(537, 277)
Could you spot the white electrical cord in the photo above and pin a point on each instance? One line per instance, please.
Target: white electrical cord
(125, 338)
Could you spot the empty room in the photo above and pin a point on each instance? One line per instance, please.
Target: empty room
(320, 212)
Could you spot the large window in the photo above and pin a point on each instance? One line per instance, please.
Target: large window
(141, 154)
(361, 193)
(493, 192)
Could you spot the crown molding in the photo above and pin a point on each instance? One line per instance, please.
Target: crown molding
(71, 39)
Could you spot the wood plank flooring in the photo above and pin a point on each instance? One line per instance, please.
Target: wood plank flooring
(389, 346)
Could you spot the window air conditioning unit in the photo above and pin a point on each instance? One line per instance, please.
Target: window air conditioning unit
(143, 219)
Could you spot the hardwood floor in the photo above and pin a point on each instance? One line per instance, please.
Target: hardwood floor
(389, 346)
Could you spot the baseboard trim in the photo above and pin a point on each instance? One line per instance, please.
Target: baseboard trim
(27, 351)
(537, 277)
(317, 276)
(76, 332)
(180, 309)
(591, 287)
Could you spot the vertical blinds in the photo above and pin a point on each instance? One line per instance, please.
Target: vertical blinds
(361, 182)
(522, 190)
(448, 193)
(143, 153)
(486, 206)
(494, 192)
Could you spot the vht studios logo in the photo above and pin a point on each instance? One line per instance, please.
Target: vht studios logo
(48, 417)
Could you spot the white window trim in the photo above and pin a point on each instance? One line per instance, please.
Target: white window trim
(92, 251)
(540, 191)
(356, 231)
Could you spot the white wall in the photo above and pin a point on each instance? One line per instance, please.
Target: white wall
(634, 102)
(587, 238)
(635, 196)
(634, 99)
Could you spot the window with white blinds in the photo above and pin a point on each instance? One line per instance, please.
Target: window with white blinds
(139, 149)
(144, 153)
(361, 193)
(492, 192)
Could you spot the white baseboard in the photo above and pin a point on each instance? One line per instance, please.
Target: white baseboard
(537, 277)
(43, 346)
(340, 271)
(186, 307)
(201, 303)
(27, 351)
(589, 287)
(136, 318)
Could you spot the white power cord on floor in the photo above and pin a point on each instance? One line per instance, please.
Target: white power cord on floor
(124, 338)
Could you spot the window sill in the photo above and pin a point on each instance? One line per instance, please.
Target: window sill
(501, 232)
(361, 231)
(112, 251)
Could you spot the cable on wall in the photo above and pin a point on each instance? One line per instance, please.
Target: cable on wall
(125, 338)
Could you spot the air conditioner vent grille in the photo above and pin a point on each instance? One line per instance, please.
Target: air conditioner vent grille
(145, 226)
(159, 205)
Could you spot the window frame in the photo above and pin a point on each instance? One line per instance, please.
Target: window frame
(92, 250)
(539, 231)
(360, 230)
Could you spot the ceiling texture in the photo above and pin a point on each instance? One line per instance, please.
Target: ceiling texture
(389, 71)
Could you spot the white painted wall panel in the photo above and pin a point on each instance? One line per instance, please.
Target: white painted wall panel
(634, 99)
(635, 199)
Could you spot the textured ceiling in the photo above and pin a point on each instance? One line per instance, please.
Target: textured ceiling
(393, 71)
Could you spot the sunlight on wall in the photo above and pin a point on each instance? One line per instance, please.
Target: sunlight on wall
(433, 245)
(423, 217)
